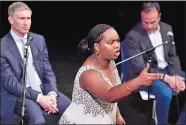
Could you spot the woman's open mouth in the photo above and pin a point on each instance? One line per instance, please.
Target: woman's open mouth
(117, 53)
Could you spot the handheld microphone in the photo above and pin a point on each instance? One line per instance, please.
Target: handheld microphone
(29, 38)
(171, 37)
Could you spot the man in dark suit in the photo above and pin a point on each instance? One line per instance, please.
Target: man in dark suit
(41, 92)
(150, 32)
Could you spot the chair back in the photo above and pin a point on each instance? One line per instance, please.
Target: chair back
(123, 65)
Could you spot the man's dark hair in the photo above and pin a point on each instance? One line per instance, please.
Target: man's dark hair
(151, 6)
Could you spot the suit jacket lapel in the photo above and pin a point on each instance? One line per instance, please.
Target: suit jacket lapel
(34, 49)
(146, 43)
(14, 50)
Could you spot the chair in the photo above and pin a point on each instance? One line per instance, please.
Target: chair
(143, 94)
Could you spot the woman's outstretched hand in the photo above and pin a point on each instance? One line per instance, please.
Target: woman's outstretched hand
(146, 78)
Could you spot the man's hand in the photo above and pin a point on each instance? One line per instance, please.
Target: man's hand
(171, 81)
(180, 84)
(54, 102)
(53, 97)
(175, 82)
(47, 103)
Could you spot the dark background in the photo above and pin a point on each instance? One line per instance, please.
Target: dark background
(64, 24)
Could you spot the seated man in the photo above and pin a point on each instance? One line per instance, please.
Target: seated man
(149, 33)
(41, 92)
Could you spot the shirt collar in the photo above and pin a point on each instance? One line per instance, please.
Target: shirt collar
(16, 37)
(157, 30)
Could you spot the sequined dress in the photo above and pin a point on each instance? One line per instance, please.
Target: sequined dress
(87, 109)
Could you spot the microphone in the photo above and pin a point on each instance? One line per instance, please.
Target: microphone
(171, 37)
(146, 51)
(29, 38)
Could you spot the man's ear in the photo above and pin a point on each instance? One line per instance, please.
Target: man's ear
(10, 19)
(160, 16)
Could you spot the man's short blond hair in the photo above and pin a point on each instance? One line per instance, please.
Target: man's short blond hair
(17, 6)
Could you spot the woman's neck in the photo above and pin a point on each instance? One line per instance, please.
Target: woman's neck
(101, 63)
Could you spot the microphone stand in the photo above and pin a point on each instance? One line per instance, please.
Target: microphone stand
(149, 52)
(149, 88)
(23, 93)
(150, 49)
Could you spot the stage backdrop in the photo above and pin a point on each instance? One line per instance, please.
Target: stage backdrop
(64, 24)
